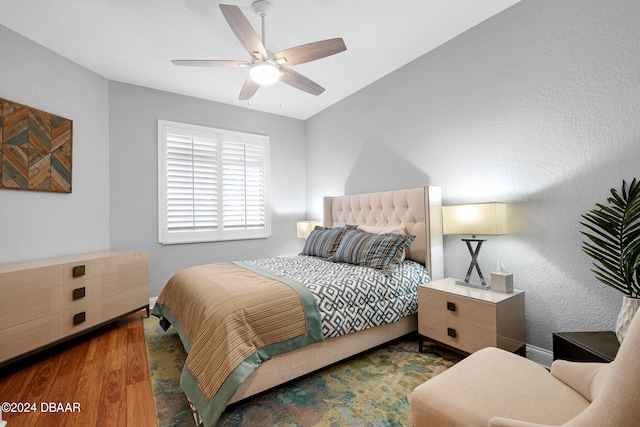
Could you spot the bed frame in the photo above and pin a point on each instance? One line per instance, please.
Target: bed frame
(419, 210)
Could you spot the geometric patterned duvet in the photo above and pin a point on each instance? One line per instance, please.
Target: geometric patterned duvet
(352, 298)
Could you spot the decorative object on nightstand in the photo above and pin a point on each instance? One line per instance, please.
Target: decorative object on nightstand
(614, 244)
(469, 319)
(501, 281)
(304, 228)
(487, 219)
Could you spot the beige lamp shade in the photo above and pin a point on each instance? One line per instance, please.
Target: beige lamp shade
(304, 228)
(488, 219)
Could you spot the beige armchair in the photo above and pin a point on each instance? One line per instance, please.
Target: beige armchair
(496, 388)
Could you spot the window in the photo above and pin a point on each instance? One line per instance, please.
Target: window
(213, 184)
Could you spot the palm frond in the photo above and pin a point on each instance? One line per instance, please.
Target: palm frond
(613, 232)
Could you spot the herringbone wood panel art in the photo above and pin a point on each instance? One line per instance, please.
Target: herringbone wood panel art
(35, 149)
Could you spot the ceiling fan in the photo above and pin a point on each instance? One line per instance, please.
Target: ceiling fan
(267, 68)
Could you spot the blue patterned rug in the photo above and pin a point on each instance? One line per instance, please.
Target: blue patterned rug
(368, 390)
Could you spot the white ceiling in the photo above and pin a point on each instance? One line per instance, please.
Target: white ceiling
(133, 41)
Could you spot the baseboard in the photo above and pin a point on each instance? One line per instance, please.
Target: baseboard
(540, 356)
(152, 302)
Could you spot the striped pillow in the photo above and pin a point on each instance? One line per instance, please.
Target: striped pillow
(380, 251)
(323, 241)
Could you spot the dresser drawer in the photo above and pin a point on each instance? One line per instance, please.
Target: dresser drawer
(81, 317)
(462, 336)
(458, 308)
(81, 292)
(30, 306)
(81, 270)
(30, 280)
(30, 335)
(124, 281)
(121, 303)
(124, 262)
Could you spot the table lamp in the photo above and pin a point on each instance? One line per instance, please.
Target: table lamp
(304, 228)
(487, 219)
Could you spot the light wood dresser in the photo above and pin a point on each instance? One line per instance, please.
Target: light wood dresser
(49, 300)
(470, 319)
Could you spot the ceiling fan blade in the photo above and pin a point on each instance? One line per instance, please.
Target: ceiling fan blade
(210, 63)
(243, 31)
(310, 52)
(249, 88)
(299, 81)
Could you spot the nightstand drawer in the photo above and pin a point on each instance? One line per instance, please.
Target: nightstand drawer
(460, 309)
(470, 319)
(456, 334)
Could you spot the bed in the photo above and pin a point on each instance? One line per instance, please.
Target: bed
(297, 340)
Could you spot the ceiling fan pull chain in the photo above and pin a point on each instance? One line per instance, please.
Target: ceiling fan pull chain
(263, 17)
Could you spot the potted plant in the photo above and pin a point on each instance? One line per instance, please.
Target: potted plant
(614, 244)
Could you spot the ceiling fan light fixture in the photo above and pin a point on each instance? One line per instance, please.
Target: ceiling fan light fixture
(265, 68)
(264, 73)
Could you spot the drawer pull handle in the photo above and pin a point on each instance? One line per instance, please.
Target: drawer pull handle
(79, 318)
(451, 306)
(451, 332)
(79, 271)
(78, 293)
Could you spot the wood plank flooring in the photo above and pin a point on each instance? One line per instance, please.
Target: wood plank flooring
(100, 379)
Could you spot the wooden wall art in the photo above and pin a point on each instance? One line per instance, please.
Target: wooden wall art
(35, 149)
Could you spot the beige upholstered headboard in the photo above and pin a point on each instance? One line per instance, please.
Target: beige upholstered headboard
(419, 210)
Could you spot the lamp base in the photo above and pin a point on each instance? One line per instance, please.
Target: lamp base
(486, 287)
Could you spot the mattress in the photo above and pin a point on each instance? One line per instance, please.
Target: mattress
(352, 298)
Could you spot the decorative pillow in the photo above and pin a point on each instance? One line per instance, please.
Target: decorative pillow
(380, 251)
(323, 241)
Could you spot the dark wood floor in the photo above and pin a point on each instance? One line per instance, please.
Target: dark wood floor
(100, 379)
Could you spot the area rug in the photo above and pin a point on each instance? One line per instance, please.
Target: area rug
(370, 390)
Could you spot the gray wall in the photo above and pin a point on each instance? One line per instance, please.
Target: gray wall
(36, 224)
(538, 107)
(134, 115)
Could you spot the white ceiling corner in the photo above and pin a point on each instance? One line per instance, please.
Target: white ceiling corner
(134, 41)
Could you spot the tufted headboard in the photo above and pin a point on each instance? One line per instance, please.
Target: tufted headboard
(419, 210)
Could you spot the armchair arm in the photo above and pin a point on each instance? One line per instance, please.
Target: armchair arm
(577, 375)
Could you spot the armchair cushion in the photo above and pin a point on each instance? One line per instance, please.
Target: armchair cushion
(493, 382)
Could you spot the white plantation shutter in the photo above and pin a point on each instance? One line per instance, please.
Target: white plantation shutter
(243, 183)
(213, 184)
(191, 184)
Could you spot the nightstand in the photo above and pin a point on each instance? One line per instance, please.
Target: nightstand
(599, 346)
(469, 319)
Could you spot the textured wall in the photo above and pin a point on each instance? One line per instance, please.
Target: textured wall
(538, 107)
(39, 225)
